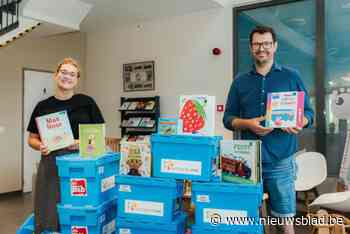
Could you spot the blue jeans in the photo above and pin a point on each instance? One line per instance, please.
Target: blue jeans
(279, 180)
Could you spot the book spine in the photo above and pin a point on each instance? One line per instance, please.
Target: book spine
(300, 109)
(37, 121)
(268, 111)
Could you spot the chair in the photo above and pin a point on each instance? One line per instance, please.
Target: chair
(311, 172)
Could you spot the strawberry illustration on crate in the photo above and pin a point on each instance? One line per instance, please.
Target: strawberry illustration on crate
(197, 115)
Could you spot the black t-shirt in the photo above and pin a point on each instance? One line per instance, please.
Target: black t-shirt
(81, 109)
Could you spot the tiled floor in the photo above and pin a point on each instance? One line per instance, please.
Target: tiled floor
(16, 207)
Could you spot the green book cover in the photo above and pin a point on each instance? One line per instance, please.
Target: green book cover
(241, 161)
(92, 140)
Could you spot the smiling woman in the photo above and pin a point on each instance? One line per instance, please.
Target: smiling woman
(81, 109)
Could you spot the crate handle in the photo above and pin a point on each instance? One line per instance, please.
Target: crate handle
(75, 218)
(76, 169)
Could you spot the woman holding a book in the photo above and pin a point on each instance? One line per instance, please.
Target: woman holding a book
(80, 109)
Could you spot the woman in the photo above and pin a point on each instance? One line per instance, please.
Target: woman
(81, 109)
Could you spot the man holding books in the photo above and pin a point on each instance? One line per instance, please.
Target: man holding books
(246, 109)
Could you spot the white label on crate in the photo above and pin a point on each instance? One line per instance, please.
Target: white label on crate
(144, 207)
(224, 216)
(181, 167)
(125, 188)
(124, 231)
(107, 183)
(78, 187)
(203, 198)
(79, 230)
(101, 170)
(109, 228)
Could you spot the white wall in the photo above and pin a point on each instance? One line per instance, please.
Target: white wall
(26, 52)
(181, 47)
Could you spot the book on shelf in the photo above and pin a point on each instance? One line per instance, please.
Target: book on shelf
(92, 140)
(167, 126)
(134, 122)
(133, 105)
(197, 115)
(285, 109)
(150, 105)
(240, 161)
(55, 130)
(140, 105)
(147, 122)
(135, 158)
(125, 106)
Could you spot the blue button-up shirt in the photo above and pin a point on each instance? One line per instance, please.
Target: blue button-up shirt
(247, 99)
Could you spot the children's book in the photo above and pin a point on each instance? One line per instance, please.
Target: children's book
(150, 105)
(92, 140)
(125, 106)
(135, 159)
(240, 161)
(167, 126)
(197, 115)
(134, 122)
(285, 109)
(147, 122)
(132, 105)
(55, 130)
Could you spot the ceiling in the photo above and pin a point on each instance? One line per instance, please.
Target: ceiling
(107, 12)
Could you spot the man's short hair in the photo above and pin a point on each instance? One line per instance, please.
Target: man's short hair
(261, 30)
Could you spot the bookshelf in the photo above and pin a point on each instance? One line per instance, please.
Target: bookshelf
(139, 115)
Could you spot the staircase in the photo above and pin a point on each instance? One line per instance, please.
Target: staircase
(9, 15)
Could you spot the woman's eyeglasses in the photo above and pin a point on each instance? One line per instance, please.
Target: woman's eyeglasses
(67, 73)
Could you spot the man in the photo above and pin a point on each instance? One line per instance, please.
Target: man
(245, 110)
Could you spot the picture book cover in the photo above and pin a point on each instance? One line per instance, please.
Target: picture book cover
(150, 105)
(285, 109)
(132, 105)
(240, 161)
(134, 122)
(167, 126)
(135, 158)
(92, 140)
(125, 106)
(197, 115)
(55, 130)
(147, 122)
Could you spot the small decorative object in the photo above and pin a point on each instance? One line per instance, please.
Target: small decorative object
(138, 76)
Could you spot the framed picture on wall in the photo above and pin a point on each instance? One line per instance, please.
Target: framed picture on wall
(138, 76)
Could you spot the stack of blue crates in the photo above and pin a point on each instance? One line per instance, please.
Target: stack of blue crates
(196, 158)
(88, 193)
(149, 205)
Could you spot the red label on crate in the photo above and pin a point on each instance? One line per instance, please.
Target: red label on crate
(79, 230)
(78, 187)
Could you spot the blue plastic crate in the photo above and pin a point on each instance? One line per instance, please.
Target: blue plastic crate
(131, 226)
(27, 227)
(88, 219)
(196, 229)
(87, 181)
(218, 202)
(185, 157)
(149, 199)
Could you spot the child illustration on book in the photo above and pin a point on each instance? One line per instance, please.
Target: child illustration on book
(134, 161)
(91, 144)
